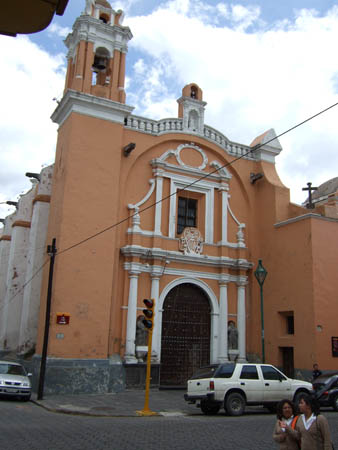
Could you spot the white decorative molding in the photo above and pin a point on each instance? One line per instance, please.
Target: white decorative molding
(202, 187)
(175, 125)
(223, 172)
(136, 220)
(90, 105)
(193, 114)
(268, 146)
(191, 241)
(90, 29)
(240, 235)
(241, 226)
(177, 154)
(161, 164)
(158, 201)
(199, 260)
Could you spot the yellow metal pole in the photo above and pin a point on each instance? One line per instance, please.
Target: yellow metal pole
(146, 411)
(146, 400)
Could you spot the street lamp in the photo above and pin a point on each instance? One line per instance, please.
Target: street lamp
(260, 274)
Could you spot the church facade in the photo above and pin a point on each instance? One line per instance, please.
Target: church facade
(170, 210)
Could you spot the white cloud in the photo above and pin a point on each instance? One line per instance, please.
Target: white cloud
(275, 77)
(54, 28)
(29, 79)
(139, 67)
(244, 16)
(125, 5)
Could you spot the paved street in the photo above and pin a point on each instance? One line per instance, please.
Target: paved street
(28, 426)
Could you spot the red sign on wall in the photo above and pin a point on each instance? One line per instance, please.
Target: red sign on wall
(62, 318)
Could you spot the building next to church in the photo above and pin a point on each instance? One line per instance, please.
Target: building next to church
(171, 210)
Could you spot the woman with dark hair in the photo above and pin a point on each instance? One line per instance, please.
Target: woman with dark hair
(285, 433)
(312, 426)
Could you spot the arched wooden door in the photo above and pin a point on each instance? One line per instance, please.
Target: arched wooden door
(185, 342)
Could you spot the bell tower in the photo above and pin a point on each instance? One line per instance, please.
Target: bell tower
(86, 185)
(191, 109)
(97, 50)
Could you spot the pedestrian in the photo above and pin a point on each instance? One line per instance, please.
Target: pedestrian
(313, 426)
(316, 372)
(285, 433)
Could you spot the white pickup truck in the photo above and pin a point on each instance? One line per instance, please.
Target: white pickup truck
(235, 385)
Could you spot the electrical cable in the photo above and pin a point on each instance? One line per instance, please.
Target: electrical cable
(251, 151)
(25, 284)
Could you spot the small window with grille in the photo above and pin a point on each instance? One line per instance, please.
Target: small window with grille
(186, 213)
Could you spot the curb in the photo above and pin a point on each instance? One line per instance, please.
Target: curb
(89, 414)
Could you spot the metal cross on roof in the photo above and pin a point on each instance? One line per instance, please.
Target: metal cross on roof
(310, 204)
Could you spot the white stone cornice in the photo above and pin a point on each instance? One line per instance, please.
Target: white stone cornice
(224, 187)
(224, 279)
(133, 268)
(242, 281)
(134, 273)
(90, 29)
(268, 146)
(157, 172)
(90, 105)
(200, 260)
(193, 101)
(156, 275)
(187, 176)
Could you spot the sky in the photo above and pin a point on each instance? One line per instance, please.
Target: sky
(261, 64)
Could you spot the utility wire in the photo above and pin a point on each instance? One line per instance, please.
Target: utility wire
(251, 151)
(25, 284)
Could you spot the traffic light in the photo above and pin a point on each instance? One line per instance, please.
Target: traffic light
(149, 313)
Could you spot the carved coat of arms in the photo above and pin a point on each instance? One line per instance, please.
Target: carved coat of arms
(191, 241)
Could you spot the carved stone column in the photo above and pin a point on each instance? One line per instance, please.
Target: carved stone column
(131, 318)
(241, 320)
(223, 323)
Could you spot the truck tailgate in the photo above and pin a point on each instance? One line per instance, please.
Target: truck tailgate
(199, 387)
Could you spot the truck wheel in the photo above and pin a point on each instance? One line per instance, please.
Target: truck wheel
(335, 403)
(209, 408)
(234, 404)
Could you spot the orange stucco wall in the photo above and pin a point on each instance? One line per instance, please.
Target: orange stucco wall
(92, 187)
(325, 263)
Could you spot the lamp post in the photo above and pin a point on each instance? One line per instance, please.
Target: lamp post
(260, 274)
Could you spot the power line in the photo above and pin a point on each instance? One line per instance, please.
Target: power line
(251, 151)
(25, 284)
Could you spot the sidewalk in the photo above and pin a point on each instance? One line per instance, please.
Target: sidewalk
(122, 404)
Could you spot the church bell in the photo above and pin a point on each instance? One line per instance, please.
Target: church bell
(100, 64)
